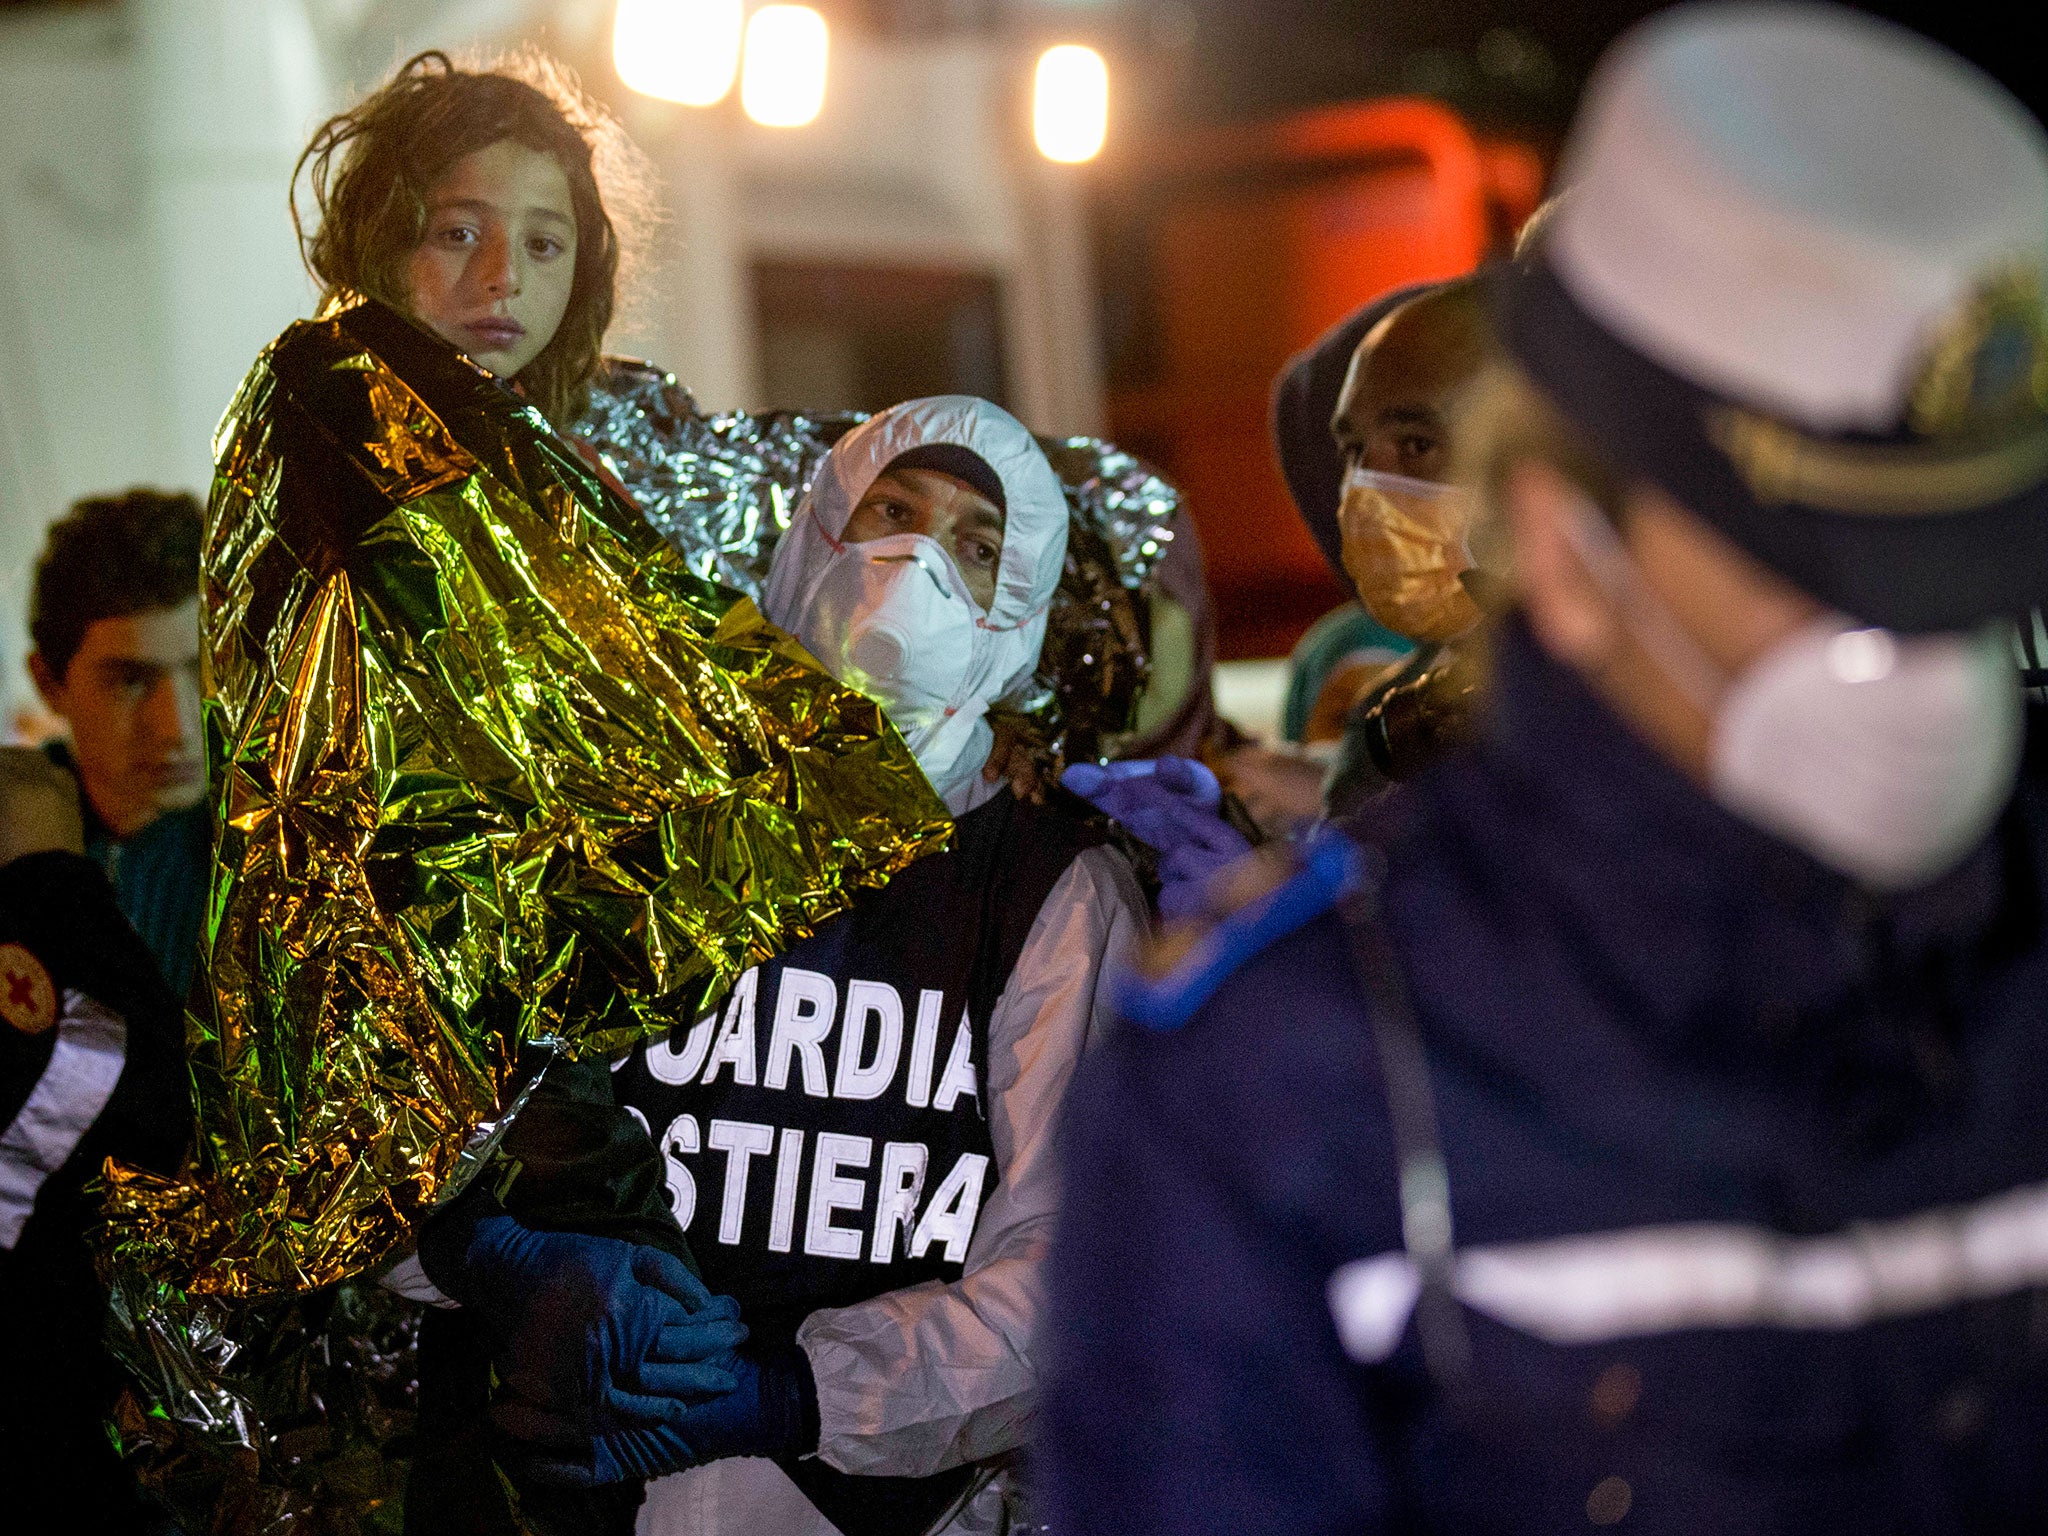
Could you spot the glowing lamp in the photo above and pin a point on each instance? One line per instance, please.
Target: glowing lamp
(782, 82)
(1070, 104)
(679, 50)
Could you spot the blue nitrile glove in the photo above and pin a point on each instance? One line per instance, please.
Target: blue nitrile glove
(771, 1411)
(600, 1342)
(1170, 805)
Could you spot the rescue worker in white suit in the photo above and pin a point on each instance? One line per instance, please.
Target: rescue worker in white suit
(859, 1139)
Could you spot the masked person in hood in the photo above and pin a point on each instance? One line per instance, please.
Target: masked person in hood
(1407, 536)
(1403, 536)
(911, 576)
(1365, 424)
(859, 1139)
(1654, 1138)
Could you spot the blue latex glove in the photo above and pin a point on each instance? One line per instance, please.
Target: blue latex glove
(600, 1345)
(1170, 805)
(771, 1411)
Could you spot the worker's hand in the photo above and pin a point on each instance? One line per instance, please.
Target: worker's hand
(772, 1411)
(1172, 805)
(39, 808)
(601, 1346)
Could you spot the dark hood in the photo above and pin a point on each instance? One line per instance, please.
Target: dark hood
(1304, 400)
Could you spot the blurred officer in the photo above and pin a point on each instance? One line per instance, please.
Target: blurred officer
(1669, 1147)
(97, 841)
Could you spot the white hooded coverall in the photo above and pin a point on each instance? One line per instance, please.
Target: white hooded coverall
(919, 1380)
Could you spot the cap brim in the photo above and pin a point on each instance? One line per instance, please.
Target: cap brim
(1979, 550)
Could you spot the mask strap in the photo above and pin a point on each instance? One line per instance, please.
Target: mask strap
(1422, 1175)
(809, 596)
(1677, 655)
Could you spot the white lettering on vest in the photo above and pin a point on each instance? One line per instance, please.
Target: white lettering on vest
(677, 1141)
(924, 1046)
(865, 1000)
(665, 1064)
(959, 1074)
(903, 1165)
(789, 1163)
(741, 1141)
(804, 1005)
(955, 1205)
(830, 1192)
(736, 1039)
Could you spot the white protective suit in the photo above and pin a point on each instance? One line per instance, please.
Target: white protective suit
(1006, 640)
(923, 1379)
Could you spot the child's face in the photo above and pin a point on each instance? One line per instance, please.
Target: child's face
(495, 270)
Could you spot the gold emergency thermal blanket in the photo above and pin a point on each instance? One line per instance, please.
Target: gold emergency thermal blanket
(494, 769)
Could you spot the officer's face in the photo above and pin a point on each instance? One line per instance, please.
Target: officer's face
(131, 697)
(1733, 608)
(942, 507)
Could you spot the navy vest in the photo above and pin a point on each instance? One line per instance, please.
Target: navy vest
(826, 1127)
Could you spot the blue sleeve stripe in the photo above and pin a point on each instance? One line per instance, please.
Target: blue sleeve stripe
(1332, 868)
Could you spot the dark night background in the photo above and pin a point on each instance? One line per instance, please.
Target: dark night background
(1507, 65)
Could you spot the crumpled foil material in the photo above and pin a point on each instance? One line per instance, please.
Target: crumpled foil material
(295, 1414)
(493, 768)
(723, 488)
(498, 766)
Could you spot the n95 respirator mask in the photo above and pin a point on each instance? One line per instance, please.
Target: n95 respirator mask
(893, 618)
(1885, 756)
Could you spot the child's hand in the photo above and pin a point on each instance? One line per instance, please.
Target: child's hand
(1015, 757)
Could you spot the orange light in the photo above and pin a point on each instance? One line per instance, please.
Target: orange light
(782, 82)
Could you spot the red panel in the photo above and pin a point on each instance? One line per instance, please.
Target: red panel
(1265, 239)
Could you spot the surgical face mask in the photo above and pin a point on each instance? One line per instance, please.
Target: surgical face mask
(892, 618)
(1887, 757)
(1405, 546)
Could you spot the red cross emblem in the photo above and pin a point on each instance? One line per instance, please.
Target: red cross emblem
(27, 1000)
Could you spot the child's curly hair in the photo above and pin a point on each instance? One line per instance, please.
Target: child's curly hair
(373, 169)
